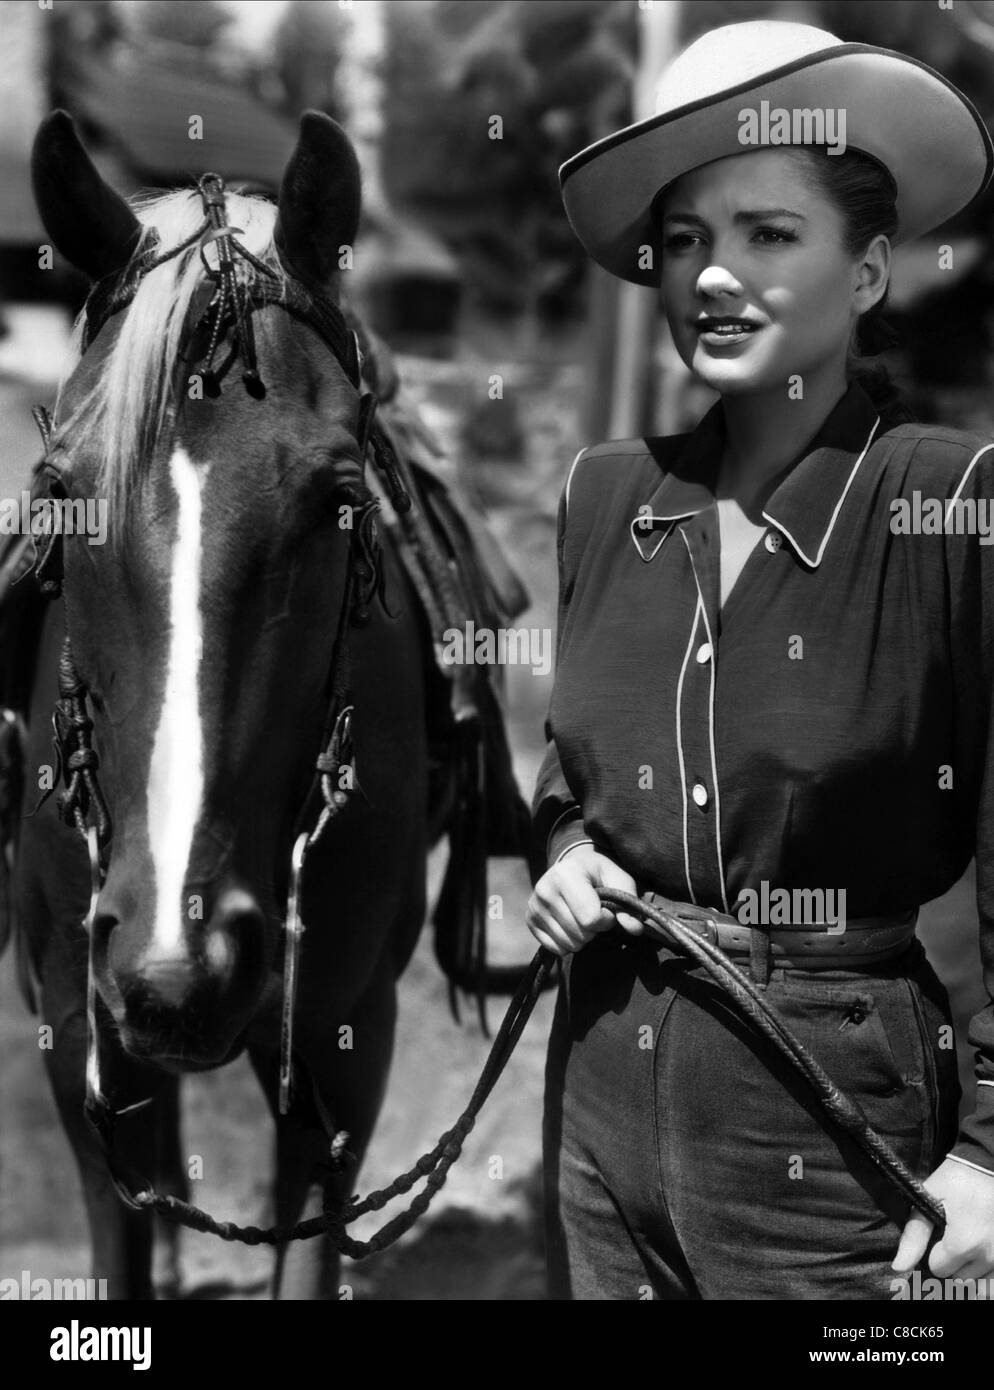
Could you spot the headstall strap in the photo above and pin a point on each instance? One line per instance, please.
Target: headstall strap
(230, 299)
(236, 294)
(76, 760)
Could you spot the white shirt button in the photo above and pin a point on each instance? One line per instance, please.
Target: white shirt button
(704, 653)
(700, 794)
(773, 541)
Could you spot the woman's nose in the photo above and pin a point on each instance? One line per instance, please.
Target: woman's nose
(715, 280)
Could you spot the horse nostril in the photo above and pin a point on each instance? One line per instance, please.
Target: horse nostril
(236, 908)
(233, 941)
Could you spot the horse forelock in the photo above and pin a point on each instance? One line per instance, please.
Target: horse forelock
(126, 406)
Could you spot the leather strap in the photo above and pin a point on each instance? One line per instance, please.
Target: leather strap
(865, 940)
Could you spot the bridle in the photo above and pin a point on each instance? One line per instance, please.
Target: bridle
(228, 310)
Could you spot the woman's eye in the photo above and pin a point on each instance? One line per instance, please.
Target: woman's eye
(680, 241)
(774, 236)
(765, 236)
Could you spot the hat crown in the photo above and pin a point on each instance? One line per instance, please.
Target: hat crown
(734, 54)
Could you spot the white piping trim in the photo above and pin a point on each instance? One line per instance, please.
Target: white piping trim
(985, 1083)
(670, 516)
(969, 469)
(563, 852)
(570, 811)
(967, 1164)
(575, 811)
(714, 762)
(679, 749)
(631, 529)
(569, 478)
(835, 515)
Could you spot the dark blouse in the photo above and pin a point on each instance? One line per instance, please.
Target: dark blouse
(830, 727)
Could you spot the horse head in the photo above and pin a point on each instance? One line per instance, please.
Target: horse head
(203, 627)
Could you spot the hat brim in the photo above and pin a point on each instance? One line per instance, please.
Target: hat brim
(919, 126)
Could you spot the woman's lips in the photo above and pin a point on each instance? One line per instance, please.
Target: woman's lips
(726, 334)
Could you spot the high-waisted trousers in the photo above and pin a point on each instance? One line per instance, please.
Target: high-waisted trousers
(685, 1158)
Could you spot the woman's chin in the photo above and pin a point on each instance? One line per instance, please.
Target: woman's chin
(730, 376)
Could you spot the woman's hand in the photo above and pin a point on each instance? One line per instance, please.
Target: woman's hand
(966, 1250)
(564, 910)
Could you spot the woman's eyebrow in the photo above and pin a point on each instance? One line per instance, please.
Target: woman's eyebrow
(752, 215)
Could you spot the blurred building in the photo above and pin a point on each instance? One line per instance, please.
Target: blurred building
(23, 102)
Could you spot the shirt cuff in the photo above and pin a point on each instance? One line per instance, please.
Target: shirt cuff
(967, 1164)
(566, 832)
(975, 1144)
(576, 845)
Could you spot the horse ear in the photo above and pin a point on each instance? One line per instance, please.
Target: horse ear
(319, 201)
(89, 223)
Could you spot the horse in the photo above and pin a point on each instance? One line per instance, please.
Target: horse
(201, 632)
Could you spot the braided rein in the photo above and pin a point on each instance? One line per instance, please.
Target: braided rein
(436, 1163)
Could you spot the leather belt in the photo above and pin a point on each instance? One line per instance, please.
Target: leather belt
(865, 940)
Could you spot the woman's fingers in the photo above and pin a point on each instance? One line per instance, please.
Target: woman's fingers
(565, 910)
(914, 1240)
(550, 921)
(564, 907)
(611, 876)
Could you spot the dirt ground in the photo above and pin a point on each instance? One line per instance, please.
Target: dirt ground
(482, 1238)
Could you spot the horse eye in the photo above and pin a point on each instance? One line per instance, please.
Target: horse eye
(58, 468)
(56, 481)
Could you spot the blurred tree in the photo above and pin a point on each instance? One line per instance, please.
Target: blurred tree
(198, 25)
(308, 46)
(484, 101)
(90, 26)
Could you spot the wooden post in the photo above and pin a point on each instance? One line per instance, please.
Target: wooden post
(635, 309)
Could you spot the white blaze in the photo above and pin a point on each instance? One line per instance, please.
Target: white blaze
(176, 770)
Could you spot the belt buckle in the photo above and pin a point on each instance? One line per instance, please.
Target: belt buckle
(706, 927)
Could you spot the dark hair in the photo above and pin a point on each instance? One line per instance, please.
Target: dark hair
(865, 194)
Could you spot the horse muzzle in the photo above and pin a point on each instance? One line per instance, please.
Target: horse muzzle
(183, 1003)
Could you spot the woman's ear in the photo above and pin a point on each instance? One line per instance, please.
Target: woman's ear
(873, 274)
(319, 201)
(90, 224)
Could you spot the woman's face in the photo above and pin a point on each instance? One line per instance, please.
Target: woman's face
(756, 282)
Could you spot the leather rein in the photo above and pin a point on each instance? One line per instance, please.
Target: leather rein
(231, 307)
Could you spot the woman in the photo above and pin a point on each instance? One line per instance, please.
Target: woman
(768, 693)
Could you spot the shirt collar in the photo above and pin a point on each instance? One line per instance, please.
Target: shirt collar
(805, 504)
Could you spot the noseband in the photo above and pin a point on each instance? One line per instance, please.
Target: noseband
(238, 291)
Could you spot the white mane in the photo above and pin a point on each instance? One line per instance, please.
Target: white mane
(128, 403)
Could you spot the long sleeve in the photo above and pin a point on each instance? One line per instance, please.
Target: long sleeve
(971, 576)
(557, 817)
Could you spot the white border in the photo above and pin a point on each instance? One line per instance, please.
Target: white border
(714, 762)
(679, 749)
(835, 515)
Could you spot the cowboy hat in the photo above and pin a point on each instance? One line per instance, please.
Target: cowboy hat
(773, 82)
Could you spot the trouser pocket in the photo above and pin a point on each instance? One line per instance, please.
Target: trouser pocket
(933, 1016)
(868, 1036)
